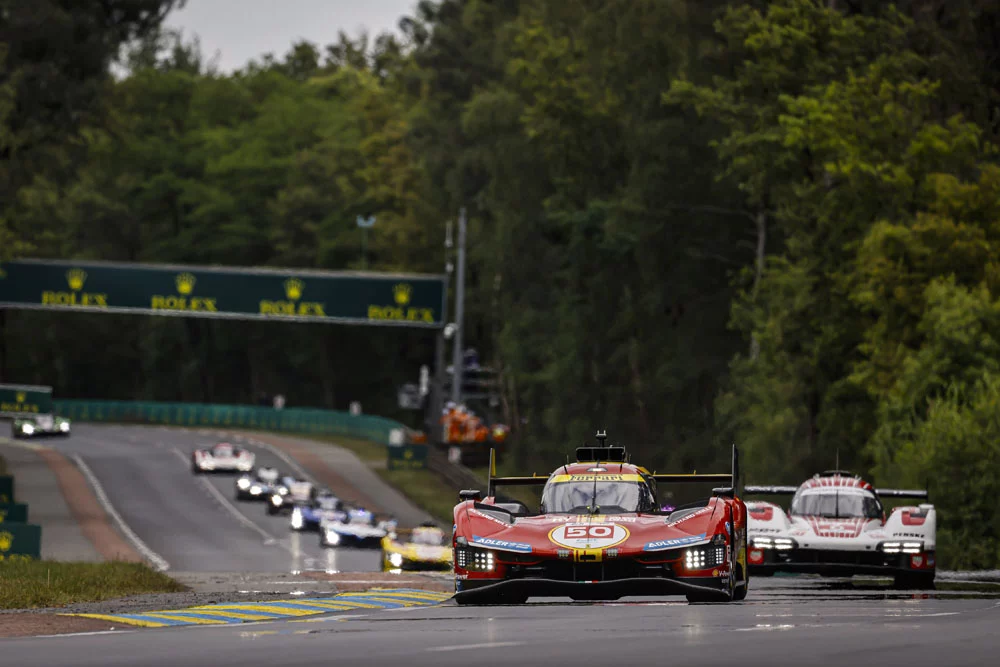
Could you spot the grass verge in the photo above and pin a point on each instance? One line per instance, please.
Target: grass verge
(42, 583)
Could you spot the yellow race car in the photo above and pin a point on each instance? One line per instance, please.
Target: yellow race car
(423, 548)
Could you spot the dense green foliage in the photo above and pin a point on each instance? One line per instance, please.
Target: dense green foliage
(692, 222)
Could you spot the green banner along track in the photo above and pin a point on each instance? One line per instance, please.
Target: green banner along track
(237, 293)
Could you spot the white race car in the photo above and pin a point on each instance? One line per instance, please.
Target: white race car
(836, 526)
(222, 458)
(357, 527)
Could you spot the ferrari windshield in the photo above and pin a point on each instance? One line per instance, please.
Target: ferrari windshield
(593, 496)
(837, 505)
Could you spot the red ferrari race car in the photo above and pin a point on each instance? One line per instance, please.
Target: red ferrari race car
(601, 534)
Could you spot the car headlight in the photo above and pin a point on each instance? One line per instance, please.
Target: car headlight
(256, 490)
(64, 427)
(779, 543)
(332, 537)
(901, 547)
(28, 428)
(475, 560)
(243, 483)
(296, 518)
(281, 490)
(276, 500)
(704, 558)
(396, 560)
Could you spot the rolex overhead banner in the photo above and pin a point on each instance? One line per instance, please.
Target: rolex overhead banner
(17, 400)
(202, 291)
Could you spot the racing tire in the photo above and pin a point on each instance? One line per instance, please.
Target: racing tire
(740, 592)
(195, 470)
(914, 581)
(271, 509)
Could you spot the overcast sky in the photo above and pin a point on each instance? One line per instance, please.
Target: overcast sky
(236, 31)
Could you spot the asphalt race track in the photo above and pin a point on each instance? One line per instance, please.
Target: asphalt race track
(192, 522)
(783, 622)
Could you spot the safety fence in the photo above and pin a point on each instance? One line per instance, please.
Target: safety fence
(290, 420)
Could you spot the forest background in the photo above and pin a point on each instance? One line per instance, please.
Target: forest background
(692, 222)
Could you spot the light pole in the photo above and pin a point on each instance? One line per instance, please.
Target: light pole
(365, 224)
(457, 356)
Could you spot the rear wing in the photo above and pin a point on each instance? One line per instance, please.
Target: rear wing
(917, 494)
(731, 479)
(493, 481)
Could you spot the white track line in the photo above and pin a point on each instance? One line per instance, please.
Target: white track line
(232, 509)
(154, 558)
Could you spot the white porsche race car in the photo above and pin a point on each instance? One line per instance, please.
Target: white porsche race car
(222, 458)
(836, 526)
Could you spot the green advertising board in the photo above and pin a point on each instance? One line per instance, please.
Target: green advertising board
(236, 293)
(13, 513)
(20, 540)
(6, 489)
(18, 399)
(407, 457)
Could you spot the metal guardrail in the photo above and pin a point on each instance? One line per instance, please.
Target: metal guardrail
(291, 420)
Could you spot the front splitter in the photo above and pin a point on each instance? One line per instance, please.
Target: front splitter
(517, 590)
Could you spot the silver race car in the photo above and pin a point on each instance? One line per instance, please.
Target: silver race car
(836, 526)
(258, 486)
(357, 527)
(39, 426)
(223, 457)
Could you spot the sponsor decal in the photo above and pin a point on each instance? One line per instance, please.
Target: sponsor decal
(20, 404)
(609, 477)
(184, 301)
(702, 511)
(756, 556)
(400, 311)
(908, 535)
(6, 541)
(75, 279)
(757, 531)
(661, 545)
(502, 545)
(484, 515)
(837, 528)
(588, 535)
(291, 306)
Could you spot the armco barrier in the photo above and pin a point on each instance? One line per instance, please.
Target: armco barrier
(291, 420)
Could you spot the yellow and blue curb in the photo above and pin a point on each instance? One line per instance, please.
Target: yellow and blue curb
(245, 612)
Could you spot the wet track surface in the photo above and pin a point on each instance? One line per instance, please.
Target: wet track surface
(193, 522)
(783, 622)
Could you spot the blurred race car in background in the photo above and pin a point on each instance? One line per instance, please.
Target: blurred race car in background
(258, 486)
(423, 548)
(836, 526)
(358, 527)
(326, 507)
(40, 426)
(223, 457)
(289, 494)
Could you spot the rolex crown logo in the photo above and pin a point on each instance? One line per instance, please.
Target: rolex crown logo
(76, 278)
(185, 283)
(401, 293)
(293, 288)
(6, 541)
(21, 396)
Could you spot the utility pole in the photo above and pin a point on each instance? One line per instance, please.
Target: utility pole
(457, 352)
(365, 224)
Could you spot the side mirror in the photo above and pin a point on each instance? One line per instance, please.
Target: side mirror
(470, 494)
